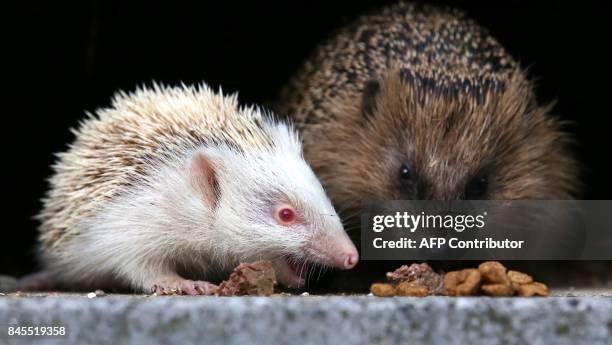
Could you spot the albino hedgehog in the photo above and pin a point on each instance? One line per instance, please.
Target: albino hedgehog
(173, 184)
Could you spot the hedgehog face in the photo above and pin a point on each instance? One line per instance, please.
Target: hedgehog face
(406, 141)
(271, 206)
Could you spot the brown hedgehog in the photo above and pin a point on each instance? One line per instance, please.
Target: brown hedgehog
(415, 102)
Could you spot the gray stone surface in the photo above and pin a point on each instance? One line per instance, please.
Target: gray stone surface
(314, 320)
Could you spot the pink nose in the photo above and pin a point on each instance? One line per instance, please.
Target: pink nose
(351, 260)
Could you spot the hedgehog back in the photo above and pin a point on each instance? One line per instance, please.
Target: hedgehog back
(117, 147)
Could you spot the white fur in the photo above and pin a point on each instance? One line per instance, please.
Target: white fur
(160, 225)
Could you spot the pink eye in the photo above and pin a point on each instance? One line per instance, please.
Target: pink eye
(285, 215)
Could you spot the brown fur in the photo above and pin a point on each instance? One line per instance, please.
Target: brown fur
(452, 104)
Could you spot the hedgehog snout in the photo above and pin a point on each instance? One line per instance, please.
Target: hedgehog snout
(334, 248)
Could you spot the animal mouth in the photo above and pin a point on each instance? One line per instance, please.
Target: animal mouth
(290, 272)
(297, 268)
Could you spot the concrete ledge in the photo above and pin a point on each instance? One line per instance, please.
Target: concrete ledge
(314, 320)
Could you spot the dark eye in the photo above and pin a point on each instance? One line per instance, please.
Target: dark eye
(405, 173)
(477, 188)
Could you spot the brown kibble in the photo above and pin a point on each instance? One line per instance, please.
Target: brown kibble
(491, 278)
(498, 290)
(382, 290)
(532, 289)
(499, 283)
(462, 283)
(422, 274)
(519, 277)
(493, 272)
(411, 289)
(256, 278)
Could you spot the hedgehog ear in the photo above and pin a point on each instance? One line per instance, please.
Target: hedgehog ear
(368, 98)
(203, 177)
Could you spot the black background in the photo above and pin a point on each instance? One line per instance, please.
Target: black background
(65, 59)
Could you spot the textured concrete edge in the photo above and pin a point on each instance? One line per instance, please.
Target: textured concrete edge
(315, 320)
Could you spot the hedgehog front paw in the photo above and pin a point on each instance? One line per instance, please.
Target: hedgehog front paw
(184, 287)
